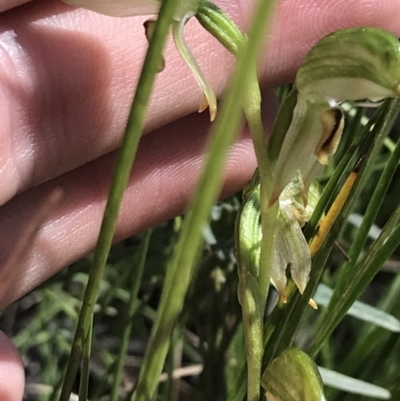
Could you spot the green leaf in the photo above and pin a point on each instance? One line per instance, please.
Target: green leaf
(293, 376)
(354, 386)
(360, 310)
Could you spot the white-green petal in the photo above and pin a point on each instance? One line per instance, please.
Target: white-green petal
(291, 249)
(290, 246)
(352, 64)
(349, 64)
(119, 8)
(271, 397)
(300, 151)
(129, 8)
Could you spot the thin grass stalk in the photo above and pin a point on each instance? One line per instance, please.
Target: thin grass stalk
(371, 213)
(85, 372)
(370, 344)
(174, 362)
(125, 160)
(383, 247)
(180, 268)
(132, 308)
(237, 391)
(383, 128)
(372, 337)
(288, 323)
(294, 312)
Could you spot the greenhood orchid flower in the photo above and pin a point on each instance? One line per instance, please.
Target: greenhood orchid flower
(186, 10)
(291, 248)
(351, 64)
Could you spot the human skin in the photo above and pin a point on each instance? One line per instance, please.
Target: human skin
(67, 77)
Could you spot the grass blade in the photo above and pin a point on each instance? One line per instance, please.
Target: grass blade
(126, 156)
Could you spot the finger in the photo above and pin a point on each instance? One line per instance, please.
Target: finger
(67, 76)
(68, 87)
(298, 25)
(11, 371)
(8, 4)
(162, 181)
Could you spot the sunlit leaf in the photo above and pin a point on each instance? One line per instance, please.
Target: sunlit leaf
(354, 386)
(360, 310)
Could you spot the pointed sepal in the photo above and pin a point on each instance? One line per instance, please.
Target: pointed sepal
(209, 99)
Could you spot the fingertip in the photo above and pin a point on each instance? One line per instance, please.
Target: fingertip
(12, 378)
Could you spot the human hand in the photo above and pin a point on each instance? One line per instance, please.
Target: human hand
(66, 82)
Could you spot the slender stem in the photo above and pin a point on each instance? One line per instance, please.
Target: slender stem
(127, 154)
(84, 379)
(253, 330)
(212, 18)
(252, 294)
(180, 268)
(132, 307)
(252, 107)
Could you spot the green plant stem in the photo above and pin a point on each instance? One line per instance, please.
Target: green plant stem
(132, 307)
(252, 108)
(249, 296)
(180, 269)
(84, 379)
(252, 299)
(126, 156)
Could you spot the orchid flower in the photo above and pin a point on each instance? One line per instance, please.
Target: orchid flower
(186, 10)
(291, 248)
(351, 64)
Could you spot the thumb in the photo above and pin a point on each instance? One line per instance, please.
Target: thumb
(11, 371)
